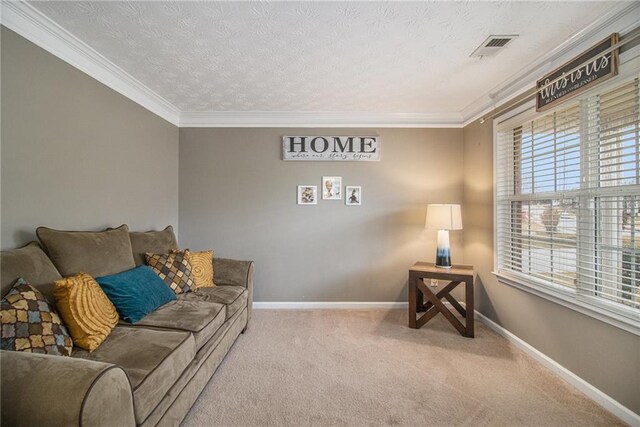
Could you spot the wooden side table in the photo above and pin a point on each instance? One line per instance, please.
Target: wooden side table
(418, 289)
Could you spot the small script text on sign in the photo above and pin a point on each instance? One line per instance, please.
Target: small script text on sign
(594, 66)
(331, 148)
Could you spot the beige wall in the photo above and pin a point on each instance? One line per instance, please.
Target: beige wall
(76, 154)
(239, 198)
(603, 355)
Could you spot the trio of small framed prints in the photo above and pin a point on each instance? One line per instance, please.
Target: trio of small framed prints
(331, 190)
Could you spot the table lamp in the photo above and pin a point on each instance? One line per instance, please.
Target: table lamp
(443, 218)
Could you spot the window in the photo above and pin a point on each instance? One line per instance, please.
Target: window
(568, 201)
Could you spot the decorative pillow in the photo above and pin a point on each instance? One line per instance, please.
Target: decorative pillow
(174, 269)
(201, 268)
(30, 324)
(85, 309)
(136, 292)
(95, 253)
(157, 242)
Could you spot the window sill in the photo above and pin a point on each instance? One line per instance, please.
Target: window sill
(568, 299)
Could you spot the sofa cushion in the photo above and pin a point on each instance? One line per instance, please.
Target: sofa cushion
(135, 293)
(174, 269)
(30, 324)
(31, 263)
(85, 309)
(153, 360)
(234, 297)
(159, 242)
(95, 253)
(200, 318)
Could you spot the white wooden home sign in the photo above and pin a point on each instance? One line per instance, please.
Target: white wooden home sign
(331, 148)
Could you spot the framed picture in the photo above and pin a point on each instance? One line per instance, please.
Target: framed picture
(353, 195)
(331, 188)
(307, 194)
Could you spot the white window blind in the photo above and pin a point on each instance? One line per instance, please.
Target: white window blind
(568, 199)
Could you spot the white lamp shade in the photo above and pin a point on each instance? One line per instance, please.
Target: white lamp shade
(444, 217)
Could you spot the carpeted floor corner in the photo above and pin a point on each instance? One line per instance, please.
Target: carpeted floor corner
(367, 368)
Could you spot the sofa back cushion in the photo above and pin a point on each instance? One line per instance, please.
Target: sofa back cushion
(158, 242)
(31, 263)
(95, 253)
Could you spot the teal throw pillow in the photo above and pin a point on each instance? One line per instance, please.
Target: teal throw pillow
(136, 292)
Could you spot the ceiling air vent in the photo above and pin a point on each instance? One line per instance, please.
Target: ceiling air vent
(492, 45)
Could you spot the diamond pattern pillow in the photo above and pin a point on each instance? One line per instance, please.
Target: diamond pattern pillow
(174, 269)
(30, 324)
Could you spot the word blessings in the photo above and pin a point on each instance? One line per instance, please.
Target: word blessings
(331, 148)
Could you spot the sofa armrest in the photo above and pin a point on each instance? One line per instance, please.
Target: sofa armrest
(40, 389)
(237, 273)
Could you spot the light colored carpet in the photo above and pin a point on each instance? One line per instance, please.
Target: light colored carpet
(367, 368)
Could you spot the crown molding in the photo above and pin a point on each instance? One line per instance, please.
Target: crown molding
(621, 18)
(36, 27)
(319, 119)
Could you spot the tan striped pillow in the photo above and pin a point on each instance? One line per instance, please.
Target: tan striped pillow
(85, 309)
(201, 268)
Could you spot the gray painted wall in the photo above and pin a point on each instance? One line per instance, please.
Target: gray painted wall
(603, 355)
(239, 198)
(76, 154)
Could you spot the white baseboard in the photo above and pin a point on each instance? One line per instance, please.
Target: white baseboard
(327, 305)
(603, 399)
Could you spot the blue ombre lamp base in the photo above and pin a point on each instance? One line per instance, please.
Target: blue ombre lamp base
(443, 218)
(443, 251)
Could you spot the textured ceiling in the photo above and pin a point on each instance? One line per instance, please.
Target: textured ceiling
(320, 56)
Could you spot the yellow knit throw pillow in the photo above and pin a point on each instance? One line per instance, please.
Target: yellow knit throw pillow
(201, 267)
(86, 310)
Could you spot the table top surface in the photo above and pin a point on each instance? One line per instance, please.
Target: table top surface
(456, 269)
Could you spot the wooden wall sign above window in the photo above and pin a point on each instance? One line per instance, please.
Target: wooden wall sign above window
(566, 84)
(331, 148)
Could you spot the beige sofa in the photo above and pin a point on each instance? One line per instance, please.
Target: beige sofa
(145, 374)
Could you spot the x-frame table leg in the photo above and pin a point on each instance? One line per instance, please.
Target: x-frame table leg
(433, 298)
(443, 292)
(434, 305)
